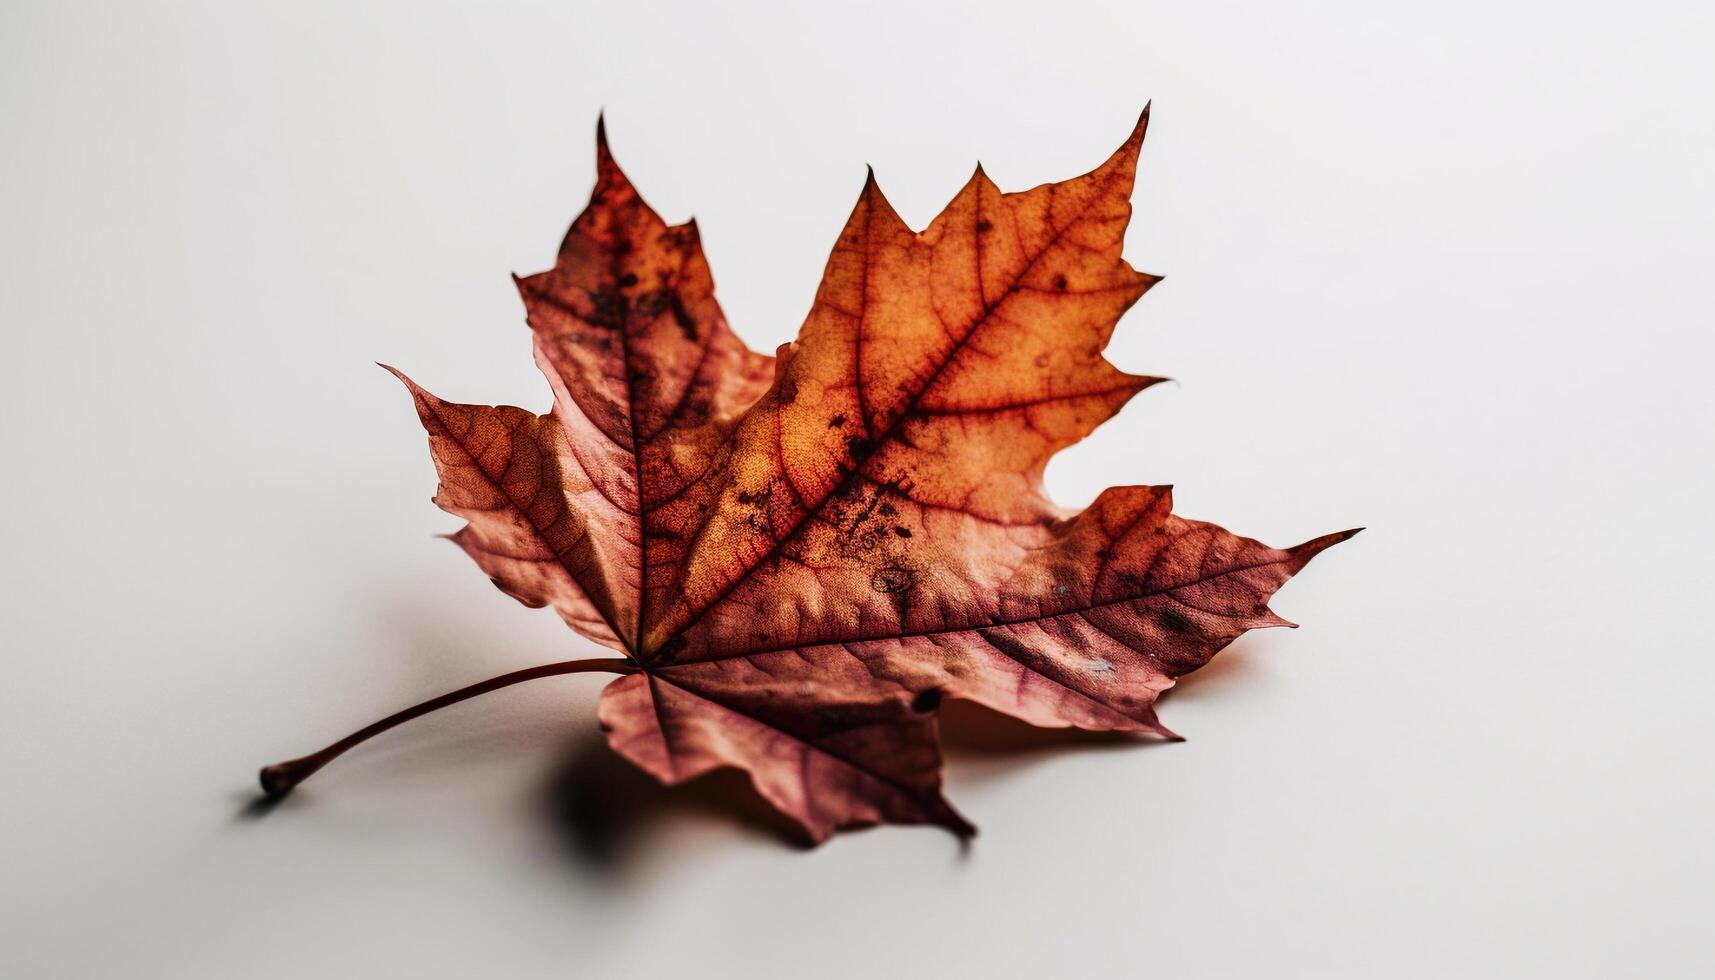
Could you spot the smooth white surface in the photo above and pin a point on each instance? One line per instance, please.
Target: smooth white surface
(1441, 271)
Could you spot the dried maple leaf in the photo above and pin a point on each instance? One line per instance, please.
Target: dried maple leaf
(799, 557)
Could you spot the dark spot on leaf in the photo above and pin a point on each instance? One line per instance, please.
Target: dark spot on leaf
(1060, 282)
(837, 421)
(858, 447)
(903, 532)
(984, 227)
(892, 580)
(628, 280)
(1174, 622)
(927, 701)
(687, 326)
(610, 308)
(788, 391)
(887, 509)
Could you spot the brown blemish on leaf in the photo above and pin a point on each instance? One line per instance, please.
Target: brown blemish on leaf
(892, 580)
(682, 317)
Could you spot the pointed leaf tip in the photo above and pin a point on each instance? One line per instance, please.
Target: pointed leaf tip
(1339, 536)
(871, 186)
(1125, 157)
(1315, 546)
(876, 199)
(390, 369)
(419, 396)
(1134, 141)
(604, 161)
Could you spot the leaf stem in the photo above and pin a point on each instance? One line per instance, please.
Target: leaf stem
(278, 779)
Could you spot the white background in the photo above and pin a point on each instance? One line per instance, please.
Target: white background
(1438, 269)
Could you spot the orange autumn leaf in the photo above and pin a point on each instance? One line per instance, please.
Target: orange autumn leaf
(800, 557)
